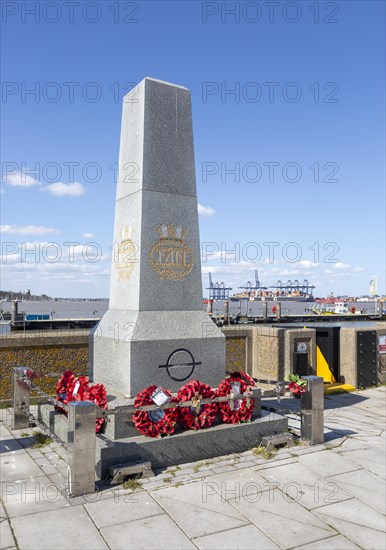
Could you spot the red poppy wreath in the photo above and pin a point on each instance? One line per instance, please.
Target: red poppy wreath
(64, 389)
(157, 422)
(197, 416)
(70, 389)
(236, 410)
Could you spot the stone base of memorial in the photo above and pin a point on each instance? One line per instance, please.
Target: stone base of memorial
(187, 446)
(122, 444)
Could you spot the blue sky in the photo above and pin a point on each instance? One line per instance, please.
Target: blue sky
(308, 81)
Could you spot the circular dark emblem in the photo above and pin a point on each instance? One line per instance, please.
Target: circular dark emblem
(180, 364)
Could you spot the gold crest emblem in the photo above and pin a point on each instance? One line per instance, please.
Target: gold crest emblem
(170, 257)
(126, 254)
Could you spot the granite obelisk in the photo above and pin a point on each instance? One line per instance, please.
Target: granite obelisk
(155, 330)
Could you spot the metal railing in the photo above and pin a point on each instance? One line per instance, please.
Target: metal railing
(81, 415)
(311, 409)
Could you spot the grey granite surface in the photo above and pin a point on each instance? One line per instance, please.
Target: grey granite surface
(155, 290)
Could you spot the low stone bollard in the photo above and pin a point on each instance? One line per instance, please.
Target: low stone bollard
(312, 411)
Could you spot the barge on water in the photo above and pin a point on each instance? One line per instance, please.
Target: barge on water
(53, 324)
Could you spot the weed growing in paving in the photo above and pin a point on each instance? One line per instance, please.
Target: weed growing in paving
(197, 467)
(41, 440)
(132, 484)
(174, 470)
(167, 479)
(264, 452)
(298, 442)
(178, 484)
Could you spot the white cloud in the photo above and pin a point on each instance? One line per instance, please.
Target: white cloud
(308, 263)
(20, 179)
(205, 211)
(88, 235)
(340, 265)
(359, 268)
(26, 230)
(60, 189)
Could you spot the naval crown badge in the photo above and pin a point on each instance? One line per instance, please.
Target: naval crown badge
(170, 257)
(126, 254)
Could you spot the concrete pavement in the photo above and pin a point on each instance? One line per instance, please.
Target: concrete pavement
(327, 496)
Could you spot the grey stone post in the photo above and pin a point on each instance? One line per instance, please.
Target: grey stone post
(21, 395)
(81, 447)
(312, 411)
(14, 311)
(226, 311)
(265, 311)
(278, 311)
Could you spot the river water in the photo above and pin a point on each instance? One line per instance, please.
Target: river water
(60, 309)
(88, 309)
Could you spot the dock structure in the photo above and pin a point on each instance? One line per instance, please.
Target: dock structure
(294, 286)
(255, 288)
(218, 291)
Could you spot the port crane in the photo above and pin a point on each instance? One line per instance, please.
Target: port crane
(218, 291)
(257, 286)
(290, 286)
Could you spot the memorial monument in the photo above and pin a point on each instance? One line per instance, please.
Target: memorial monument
(156, 330)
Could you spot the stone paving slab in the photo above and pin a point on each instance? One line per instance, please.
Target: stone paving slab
(371, 459)
(338, 542)
(282, 519)
(327, 463)
(241, 538)
(365, 486)
(372, 440)
(308, 489)
(357, 522)
(9, 445)
(2, 511)
(17, 466)
(273, 463)
(38, 493)
(129, 507)
(352, 444)
(59, 529)
(225, 502)
(156, 532)
(196, 513)
(242, 483)
(6, 537)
